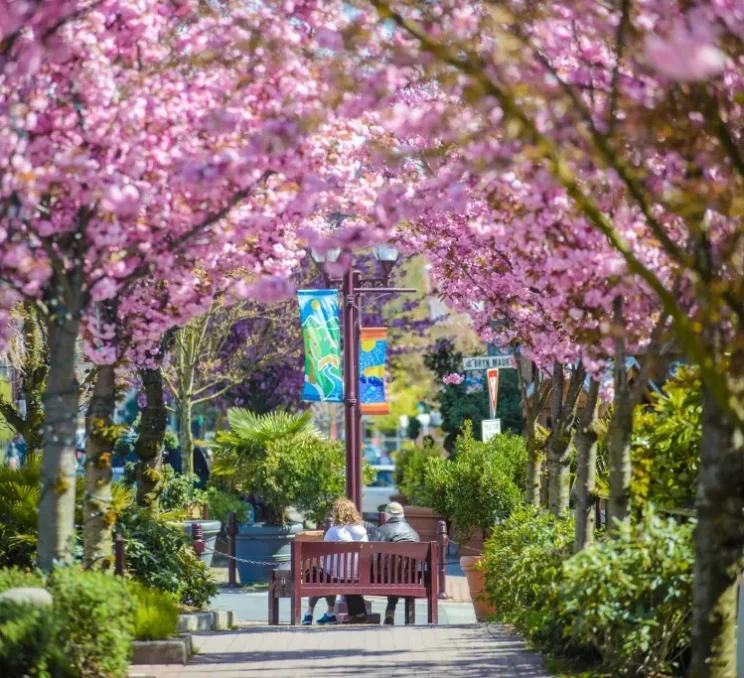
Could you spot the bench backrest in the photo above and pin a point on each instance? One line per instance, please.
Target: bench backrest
(366, 564)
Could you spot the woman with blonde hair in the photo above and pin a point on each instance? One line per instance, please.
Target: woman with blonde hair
(346, 525)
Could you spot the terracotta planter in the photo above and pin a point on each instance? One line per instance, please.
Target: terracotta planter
(424, 520)
(484, 609)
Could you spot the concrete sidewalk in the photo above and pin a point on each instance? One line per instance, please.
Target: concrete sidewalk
(464, 651)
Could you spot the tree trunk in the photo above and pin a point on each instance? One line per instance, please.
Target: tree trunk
(149, 445)
(534, 465)
(61, 401)
(619, 433)
(101, 436)
(719, 544)
(563, 409)
(585, 441)
(186, 438)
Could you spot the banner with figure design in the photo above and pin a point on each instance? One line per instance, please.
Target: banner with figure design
(321, 332)
(372, 359)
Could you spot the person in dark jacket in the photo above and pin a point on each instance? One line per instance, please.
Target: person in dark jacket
(395, 528)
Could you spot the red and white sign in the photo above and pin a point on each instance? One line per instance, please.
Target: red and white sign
(492, 377)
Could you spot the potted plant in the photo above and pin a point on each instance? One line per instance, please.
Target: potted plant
(410, 479)
(477, 487)
(281, 459)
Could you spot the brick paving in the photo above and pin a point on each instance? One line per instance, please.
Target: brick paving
(464, 651)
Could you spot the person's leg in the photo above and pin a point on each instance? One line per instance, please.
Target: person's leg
(330, 615)
(356, 606)
(392, 601)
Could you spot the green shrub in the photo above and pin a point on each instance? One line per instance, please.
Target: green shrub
(93, 613)
(666, 443)
(12, 577)
(523, 561)
(160, 555)
(181, 492)
(477, 487)
(155, 612)
(283, 460)
(28, 642)
(221, 503)
(19, 514)
(630, 597)
(410, 468)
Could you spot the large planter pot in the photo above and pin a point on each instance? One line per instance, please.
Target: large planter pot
(484, 609)
(265, 543)
(474, 545)
(211, 531)
(424, 520)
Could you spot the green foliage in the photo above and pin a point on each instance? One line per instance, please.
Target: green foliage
(180, 492)
(93, 613)
(27, 642)
(282, 459)
(666, 443)
(410, 468)
(20, 490)
(458, 403)
(221, 503)
(159, 554)
(13, 577)
(630, 597)
(155, 612)
(478, 486)
(523, 561)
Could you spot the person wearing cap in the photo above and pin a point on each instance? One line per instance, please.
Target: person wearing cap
(395, 528)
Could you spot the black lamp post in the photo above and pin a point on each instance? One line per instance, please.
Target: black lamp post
(352, 288)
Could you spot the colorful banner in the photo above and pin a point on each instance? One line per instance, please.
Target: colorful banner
(372, 358)
(321, 331)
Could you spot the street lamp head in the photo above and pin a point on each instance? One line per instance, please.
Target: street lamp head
(331, 255)
(386, 254)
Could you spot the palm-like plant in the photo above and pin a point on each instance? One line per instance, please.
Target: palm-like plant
(281, 458)
(19, 499)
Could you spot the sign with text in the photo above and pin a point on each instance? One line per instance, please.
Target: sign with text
(490, 428)
(492, 378)
(487, 362)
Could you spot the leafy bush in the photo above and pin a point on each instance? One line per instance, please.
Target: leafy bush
(410, 468)
(155, 612)
(19, 499)
(523, 561)
(282, 459)
(666, 443)
(477, 487)
(160, 555)
(181, 493)
(630, 597)
(221, 503)
(28, 642)
(93, 614)
(12, 577)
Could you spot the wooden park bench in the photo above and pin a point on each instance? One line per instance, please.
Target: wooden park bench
(405, 569)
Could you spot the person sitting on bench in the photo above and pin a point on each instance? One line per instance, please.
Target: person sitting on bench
(395, 528)
(347, 526)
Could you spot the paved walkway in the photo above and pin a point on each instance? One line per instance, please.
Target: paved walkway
(462, 651)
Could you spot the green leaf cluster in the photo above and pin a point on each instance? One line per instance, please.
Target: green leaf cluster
(159, 555)
(410, 472)
(523, 565)
(283, 460)
(630, 597)
(478, 486)
(87, 633)
(20, 490)
(155, 612)
(666, 443)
